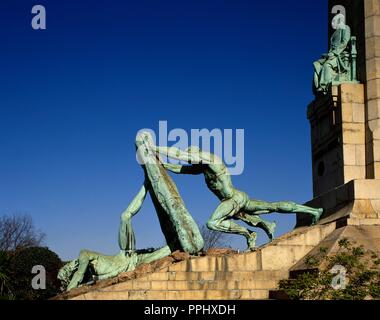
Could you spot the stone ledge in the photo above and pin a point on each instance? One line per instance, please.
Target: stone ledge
(366, 236)
(253, 270)
(184, 285)
(359, 199)
(178, 295)
(363, 222)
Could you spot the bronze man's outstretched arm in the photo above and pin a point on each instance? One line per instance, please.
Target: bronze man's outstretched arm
(179, 169)
(192, 155)
(177, 154)
(127, 240)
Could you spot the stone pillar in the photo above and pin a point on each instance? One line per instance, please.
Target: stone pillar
(338, 137)
(372, 40)
(345, 128)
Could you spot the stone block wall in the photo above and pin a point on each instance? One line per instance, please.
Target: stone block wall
(338, 137)
(372, 40)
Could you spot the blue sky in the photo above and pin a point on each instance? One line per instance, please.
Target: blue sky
(73, 96)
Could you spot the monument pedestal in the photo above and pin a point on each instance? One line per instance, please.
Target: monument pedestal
(340, 150)
(338, 143)
(225, 276)
(354, 203)
(345, 130)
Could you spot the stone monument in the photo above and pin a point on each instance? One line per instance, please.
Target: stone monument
(345, 129)
(345, 143)
(180, 230)
(345, 135)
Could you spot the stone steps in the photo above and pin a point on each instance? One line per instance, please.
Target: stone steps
(216, 275)
(282, 253)
(184, 285)
(176, 295)
(248, 275)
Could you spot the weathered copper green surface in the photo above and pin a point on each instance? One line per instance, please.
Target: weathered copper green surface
(95, 266)
(339, 64)
(127, 241)
(235, 204)
(180, 230)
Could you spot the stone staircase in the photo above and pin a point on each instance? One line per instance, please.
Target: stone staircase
(249, 275)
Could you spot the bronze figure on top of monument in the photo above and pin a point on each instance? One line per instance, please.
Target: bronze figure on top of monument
(339, 64)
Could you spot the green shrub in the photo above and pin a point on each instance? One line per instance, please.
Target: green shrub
(5, 282)
(362, 275)
(21, 263)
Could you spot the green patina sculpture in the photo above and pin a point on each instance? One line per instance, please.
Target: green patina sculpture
(92, 266)
(179, 228)
(235, 204)
(339, 65)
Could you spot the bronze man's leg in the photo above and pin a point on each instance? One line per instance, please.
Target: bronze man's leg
(327, 73)
(221, 220)
(77, 278)
(256, 221)
(155, 255)
(262, 207)
(317, 73)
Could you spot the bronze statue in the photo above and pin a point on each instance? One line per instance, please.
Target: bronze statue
(335, 66)
(235, 204)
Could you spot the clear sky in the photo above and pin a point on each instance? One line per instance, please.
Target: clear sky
(73, 96)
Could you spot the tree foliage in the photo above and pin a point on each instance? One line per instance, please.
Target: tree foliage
(5, 281)
(19, 273)
(18, 231)
(20, 251)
